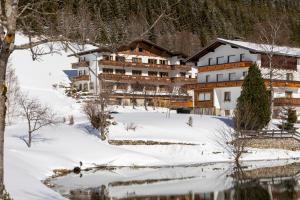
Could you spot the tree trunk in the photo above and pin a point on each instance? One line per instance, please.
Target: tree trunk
(3, 64)
(29, 139)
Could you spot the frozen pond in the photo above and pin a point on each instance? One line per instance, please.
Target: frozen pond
(222, 181)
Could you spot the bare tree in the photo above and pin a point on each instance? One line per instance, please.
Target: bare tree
(36, 114)
(135, 88)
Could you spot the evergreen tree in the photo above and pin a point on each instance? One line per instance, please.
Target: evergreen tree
(253, 107)
(289, 118)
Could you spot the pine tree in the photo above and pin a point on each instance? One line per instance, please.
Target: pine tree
(253, 107)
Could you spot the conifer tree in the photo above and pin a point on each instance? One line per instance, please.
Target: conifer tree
(253, 106)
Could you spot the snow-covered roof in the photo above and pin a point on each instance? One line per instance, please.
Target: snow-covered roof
(251, 46)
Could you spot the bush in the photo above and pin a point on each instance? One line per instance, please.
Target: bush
(289, 118)
(190, 121)
(71, 120)
(131, 126)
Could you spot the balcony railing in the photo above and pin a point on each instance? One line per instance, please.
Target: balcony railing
(183, 80)
(80, 64)
(181, 67)
(204, 104)
(131, 78)
(285, 101)
(133, 64)
(181, 104)
(224, 66)
(81, 78)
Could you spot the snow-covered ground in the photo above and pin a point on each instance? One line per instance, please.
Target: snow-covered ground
(64, 146)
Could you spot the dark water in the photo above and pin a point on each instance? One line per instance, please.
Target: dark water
(252, 181)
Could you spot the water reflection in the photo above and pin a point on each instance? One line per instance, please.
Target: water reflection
(253, 181)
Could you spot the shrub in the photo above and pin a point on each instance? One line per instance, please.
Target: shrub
(71, 120)
(190, 121)
(130, 126)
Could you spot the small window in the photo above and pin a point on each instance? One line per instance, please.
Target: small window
(204, 96)
(181, 62)
(209, 61)
(242, 57)
(152, 73)
(120, 71)
(108, 71)
(137, 60)
(227, 96)
(288, 94)
(162, 62)
(182, 74)
(163, 74)
(219, 60)
(91, 85)
(289, 76)
(230, 58)
(245, 73)
(207, 78)
(131, 49)
(232, 76)
(219, 77)
(140, 49)
(136, 72)
(152, 61)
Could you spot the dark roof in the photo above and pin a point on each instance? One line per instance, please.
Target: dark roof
(131, 44)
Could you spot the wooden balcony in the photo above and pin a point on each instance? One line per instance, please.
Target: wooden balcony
(80, 64)
(183, 80)
(285, 101)
(181, 104)
(224, 66)
(204, 104)
(133, 64)
(81, 78)
(181, 67)
(131, 78)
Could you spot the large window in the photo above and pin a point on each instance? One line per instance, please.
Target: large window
(227, 96)
(152, 61)
(288, 94)
(230, 58)
(120, 58)
(152, 73)
(137, 60)
(106, 57)
(137, 72)
(232, 76)
(120, 71)
(204, 96)
(219, 77)
(162, 62)
(108, 71)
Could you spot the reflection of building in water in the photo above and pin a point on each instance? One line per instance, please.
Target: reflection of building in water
(100, 193)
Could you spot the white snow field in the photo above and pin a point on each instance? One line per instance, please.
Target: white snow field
(64, 146)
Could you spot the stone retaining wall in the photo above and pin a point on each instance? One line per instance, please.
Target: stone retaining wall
(274, 143)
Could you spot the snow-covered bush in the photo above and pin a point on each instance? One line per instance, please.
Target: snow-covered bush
(190, 121)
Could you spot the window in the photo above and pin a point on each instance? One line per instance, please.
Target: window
(106, 57)
(242, 57)
(91, 85)
(207, 78)
(137, 60)
(79, 73)
(131, 49)
(182, 74)
(152, 73)
(227, 96)
(232, 76)
(204, 96)
(122, 86)
(163, 74)
(227, 112)
(288, 94)
(245, 73)
(120, 58)
(152, 61)
(219, 59)
(85, 87)
(140, 49)
(108, 71)
(181, 62)
(120, 71)
(162, 62)
(230, 58)
(136, 72)
(289, 76)
(210, 61)
(219, 77)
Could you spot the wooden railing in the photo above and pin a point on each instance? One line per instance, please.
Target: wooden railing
(181, 67)
(224, 66)
(131, 78)
(81, 78)
(133, 64)
(284, 101)
(183, 80)
(270, 134)
(80, 64)
(204, 104)
(181, 104)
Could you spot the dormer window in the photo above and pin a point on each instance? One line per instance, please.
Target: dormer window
(140, 49)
